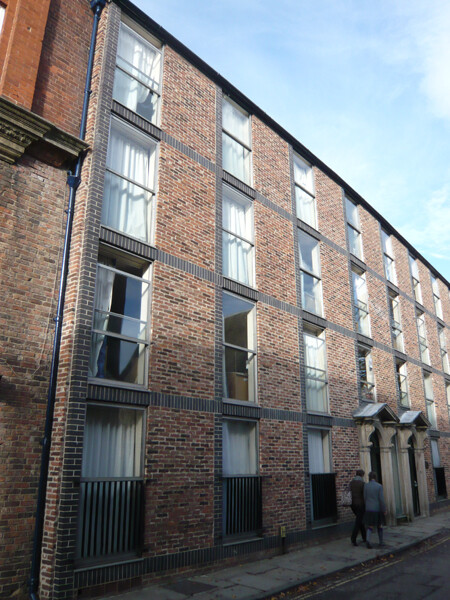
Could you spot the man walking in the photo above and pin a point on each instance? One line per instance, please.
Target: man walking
(375, 508)
(358, 505)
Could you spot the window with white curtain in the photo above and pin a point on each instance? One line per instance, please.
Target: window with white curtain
(129, 187)
(309, 251)
(120, 328)
(396, 325)
(436, 297)
(304, 192)
(366, 377)
(113, 439)
(137, 80)
(238, 256)
(388, 257)
(361, 301)
(429, 399)
(417, 290)
(447, 392)
(423, 343)
(316, 380)
(435, 455)
(239, 348)
(353, 229)
(2, 16)
(443, 348)
(236, 141)
(239, 447)
(319, 451)
(402, 382)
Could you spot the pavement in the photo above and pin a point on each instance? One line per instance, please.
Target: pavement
(260, 579)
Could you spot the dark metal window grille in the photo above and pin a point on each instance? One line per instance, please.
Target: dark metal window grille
(242, 505)
(324, 505)
(111, 517)
(441, 487)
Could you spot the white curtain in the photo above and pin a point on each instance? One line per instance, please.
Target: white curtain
(239, 448)
(435, 454)
(138, 57)
(319, 451)
(236, 158)
(127, 206)
(315, 359)
(112, 442)
(306, 207)
(235, 122)
(237, 258)
(103, 298)
(303, 174)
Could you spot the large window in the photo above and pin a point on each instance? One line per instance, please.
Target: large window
(138, 74)
(111, 488)
(323, 481)
(238, 256)
(315, 371)
(353, 229)
(443, 348)
(236, 141)
(396, 325)
(429, 399)
(309, 250)
(304, 192)
(120, 328)
(402, 382)
(366, 377)
(388, 257)
(129, 181)
(447, 391)
(239, 348)
(360, 301)
(415, 279)
(423, 343)
(436, 297)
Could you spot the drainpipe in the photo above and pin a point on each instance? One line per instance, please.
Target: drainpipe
(73, 181)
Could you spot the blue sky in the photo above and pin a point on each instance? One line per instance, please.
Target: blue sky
(364, 84)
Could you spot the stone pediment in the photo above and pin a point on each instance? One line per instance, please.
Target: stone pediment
(378, 410)
(415, 417)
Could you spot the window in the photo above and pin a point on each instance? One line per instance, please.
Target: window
(396, 326)
(129, 181)
(2, 16)
(239, 348)
(111, 487)
(388, 257)
(315, 371)
(238, 255)
(138, 74)
(423, 344)
(361, 301)
(239, 449)
(236, 144)
(443, 348)
(447, 391)
(429, 399)
(353, 229)
(402, 382)
(319, 451)
(309, 250)
(120, 328)
(366, 378)
(323, 481)
(415, 280)
(436, 297)
(304, 192)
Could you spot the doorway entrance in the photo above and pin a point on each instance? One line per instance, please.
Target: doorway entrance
(413, 475)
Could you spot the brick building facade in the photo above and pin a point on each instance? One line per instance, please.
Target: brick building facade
(241, 329)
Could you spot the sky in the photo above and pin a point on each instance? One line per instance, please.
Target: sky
(363, 84)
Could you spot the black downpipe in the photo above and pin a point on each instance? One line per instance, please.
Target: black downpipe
(73, 181)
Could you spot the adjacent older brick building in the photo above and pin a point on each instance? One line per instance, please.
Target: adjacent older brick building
(241, 329)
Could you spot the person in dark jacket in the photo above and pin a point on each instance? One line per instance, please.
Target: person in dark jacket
(375, 508)
(358, 506)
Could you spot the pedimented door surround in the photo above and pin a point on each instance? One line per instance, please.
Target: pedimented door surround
(380, 418)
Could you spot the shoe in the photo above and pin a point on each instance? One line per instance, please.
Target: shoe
(354, 543)
(369, 545)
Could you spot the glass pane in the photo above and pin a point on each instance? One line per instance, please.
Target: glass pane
(306, 207)
(236, 159)
(316, 395)
(386, 243)
(237, 258)
(239, 448)
(303, 174)
(389, 267)
(239, 371)
(237, 214)
(236, 122)
(311, 294)
(309, 253)
(352, 213)
(120, 360)
(238, 321)
(314, 351)
(354, 240)
(138, 57)
(135, 96)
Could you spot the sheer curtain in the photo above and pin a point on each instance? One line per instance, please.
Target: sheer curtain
(315, 373)
(112, 442)
(236, 158)
(237, 262)
(318, 461)
(126, 204)
(239, 448)
(103, 298)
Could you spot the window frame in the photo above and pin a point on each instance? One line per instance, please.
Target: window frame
(422, 338)
(306, 272)
(246, 146)
(429, 399)
(327, 455)
(310, 192)
(415, 279)
(398, 341)
(443, 349)
(436, 296)
(388, 257)
(323, 379)
(354, 227)
(360, 305)
(402, 383)
(367, 390)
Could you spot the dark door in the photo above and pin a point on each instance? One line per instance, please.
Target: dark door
(413, 474)
(375, 459)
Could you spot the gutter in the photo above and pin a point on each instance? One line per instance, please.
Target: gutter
(73, 181)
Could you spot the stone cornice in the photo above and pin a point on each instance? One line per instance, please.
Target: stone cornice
(20, 129)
